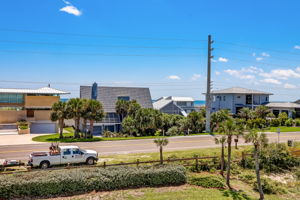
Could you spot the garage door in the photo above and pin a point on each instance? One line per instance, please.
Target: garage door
(43, 128)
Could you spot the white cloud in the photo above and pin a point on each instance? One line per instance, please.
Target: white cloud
(297, 47)
(221, 59)
(174, 77)
(259, 58)
(298, 69)
(271, 80)
(289, 86)
(254, 54)
(213, 60)
(239, 74)
(281, 74)
(196, 77)
(69, 8)
(265, 54)
(218, 73)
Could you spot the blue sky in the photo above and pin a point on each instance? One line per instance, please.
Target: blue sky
(159, 44)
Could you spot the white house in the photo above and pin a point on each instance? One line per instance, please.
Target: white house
(236, 98)
(289, 108)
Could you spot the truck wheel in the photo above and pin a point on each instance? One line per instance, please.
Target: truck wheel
(44, 165)
(90, 161)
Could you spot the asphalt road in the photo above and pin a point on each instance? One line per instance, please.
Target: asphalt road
(21, 152)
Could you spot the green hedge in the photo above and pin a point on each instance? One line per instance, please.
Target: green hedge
(75, 181)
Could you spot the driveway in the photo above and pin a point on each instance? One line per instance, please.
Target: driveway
(15, 139)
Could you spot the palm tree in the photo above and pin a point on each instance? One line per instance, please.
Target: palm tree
(60, 112)
(262, 112)
(258, 140)
(230, 129)
(219, 117)
(76, 107)
(122, 108)
(161, 142)
(245, 113)
(129, 125)
(222, 141)
(133, 107)
(84, 115)
(94, 113)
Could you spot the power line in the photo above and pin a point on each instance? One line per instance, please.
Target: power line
(97, 36)
(260, 48)
(97, 45)
(96, 54)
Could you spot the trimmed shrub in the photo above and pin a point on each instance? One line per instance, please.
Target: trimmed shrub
(282, 118)
(208, 181)
(275, 122)
(297, 122)
(289, 122)
(74, 181)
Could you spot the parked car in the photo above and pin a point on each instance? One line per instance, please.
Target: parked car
(60, 155)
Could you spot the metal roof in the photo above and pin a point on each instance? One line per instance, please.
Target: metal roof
(180, 98)
(159, 104)
(239, 90)
(108, 96)
(283, 105)
(44, 90)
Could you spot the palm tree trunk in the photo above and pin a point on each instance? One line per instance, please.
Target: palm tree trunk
(161, 155)
(61, 128)
(228, 162)
(261, 193)
(222, 160)
(91, 128)
(76, 135)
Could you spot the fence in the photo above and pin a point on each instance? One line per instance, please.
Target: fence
(137, 163)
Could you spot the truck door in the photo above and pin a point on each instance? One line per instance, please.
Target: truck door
(78, 156)
(66, 156)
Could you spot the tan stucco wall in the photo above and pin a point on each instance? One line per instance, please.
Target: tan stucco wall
(42, 115)
(11, 116)
(43, 101)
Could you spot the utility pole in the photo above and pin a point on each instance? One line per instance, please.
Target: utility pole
(208, 90)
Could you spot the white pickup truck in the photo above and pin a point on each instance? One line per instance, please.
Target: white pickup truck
(62, 155)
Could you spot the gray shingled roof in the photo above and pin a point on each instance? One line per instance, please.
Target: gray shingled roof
(239, 90)
(108, 96)
(283, 105)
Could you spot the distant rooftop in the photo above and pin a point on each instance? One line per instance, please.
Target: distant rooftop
(239, 90)
(177, 98)
(283, 105)
(44, 90)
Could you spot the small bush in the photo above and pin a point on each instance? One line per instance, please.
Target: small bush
(297, 122)
(208, 181)
(289, 122)
(275, 122)
(282, 118)
(74, 181)
(172, 131)
(270, 187)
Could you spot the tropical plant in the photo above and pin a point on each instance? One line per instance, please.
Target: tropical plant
(172, 131)
(222, 141)
(76, 108)
(289, 122)
(230, 129)
(245, 113)
(133, 107)
(282, 118)
(161, 142)
(219, 117)
(94, 112)
(60, 112)
(196, 122)
(261, 112)
(122, 108)
(129, 126)
(259, 140)
(148, 120)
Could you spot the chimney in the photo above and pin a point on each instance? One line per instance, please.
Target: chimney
(94, 91)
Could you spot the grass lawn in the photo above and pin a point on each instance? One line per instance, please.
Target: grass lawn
(283, 129)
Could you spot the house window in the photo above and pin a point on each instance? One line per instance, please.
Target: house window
(224, 98)
(125, 98)
(248, 99)
(238, 97)
(30, 113)
(267, 99)
(12, 98)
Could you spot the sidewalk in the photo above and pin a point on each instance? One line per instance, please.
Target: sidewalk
(13, 139)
